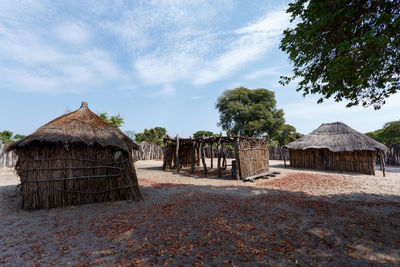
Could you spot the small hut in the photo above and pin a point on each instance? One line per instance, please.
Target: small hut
(336, 146)
(251, 154)
(77, 158)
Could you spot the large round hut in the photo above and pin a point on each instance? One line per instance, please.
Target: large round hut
(77, 158)
(336, 146)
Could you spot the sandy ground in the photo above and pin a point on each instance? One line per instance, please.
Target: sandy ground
(299, 217)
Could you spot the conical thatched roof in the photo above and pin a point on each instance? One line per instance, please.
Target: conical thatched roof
(336, 137)
(81, 127)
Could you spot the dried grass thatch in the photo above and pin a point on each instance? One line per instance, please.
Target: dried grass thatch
(79, 127)
(335, 146)
(75, 159)
(336, 137)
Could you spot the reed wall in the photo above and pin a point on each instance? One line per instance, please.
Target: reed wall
(253, 157)
(324, 159)
(54, 175)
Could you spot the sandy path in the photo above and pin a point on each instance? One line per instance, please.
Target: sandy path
(299, 217)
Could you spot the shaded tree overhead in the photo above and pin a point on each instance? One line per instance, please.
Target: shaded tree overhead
(252, 112)
(348, 50)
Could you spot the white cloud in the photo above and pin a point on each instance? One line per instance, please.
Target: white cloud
(264, 72)
(33, 59)
(273, 23)
(166, 68)
(74, 33)
(253, 42)
(167, 90)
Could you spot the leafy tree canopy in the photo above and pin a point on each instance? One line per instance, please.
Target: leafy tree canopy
(203, 133)
(389, 134)
(287, 134)
(348, 50)
(252, 112)
(7, 137)
(116, 121)
(153, 135)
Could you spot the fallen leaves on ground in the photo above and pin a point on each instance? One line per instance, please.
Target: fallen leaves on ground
(278, 227)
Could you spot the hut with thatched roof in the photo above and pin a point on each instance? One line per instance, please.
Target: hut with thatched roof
(338, 147)
(77, 158)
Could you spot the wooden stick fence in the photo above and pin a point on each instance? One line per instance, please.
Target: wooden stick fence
(188, 152)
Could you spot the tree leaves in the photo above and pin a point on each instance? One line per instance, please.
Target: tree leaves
(252, 112)
(348, 50)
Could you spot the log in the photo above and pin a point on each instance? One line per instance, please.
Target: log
(165, 155)
(212, 152)
(264, 175)
(193, 157)
(177, 163)
(237, 163)
(223, 157)
(203, 158)
(219, 157)
(383, 162)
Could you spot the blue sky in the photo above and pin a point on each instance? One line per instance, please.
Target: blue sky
(157, 63)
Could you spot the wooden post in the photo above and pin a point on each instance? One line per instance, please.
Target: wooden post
(198, 151)
(219, 157)
(193, 156)
(237, 157)
(382, 156)
(165, 154)
(203, 158)
(177, 163)
(212, 150)
(223, 156)
(284, 156)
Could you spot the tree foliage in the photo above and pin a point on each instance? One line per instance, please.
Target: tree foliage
(153, 135)
(116, 121)
(202, 133)
(7, 137)
(389, 134)
(348, 50)
(287, 134)
(252, 112)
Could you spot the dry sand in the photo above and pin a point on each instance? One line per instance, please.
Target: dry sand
(300, 217)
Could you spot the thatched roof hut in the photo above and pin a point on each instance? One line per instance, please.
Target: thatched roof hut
(336, 146)
(77, 158)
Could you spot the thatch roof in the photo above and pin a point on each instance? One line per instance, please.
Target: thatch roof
(80, 127)
(336, 137)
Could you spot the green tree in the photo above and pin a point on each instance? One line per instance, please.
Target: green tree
(153, 135)
(389, 134)
(287, 134)
(18, 136)
(116, 121)
(202, 133)
(348, 50)
(252, 112)
(5, 137)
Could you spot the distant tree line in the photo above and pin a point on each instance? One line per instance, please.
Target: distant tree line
(251, 113)
(6, 137)
(389, 134)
